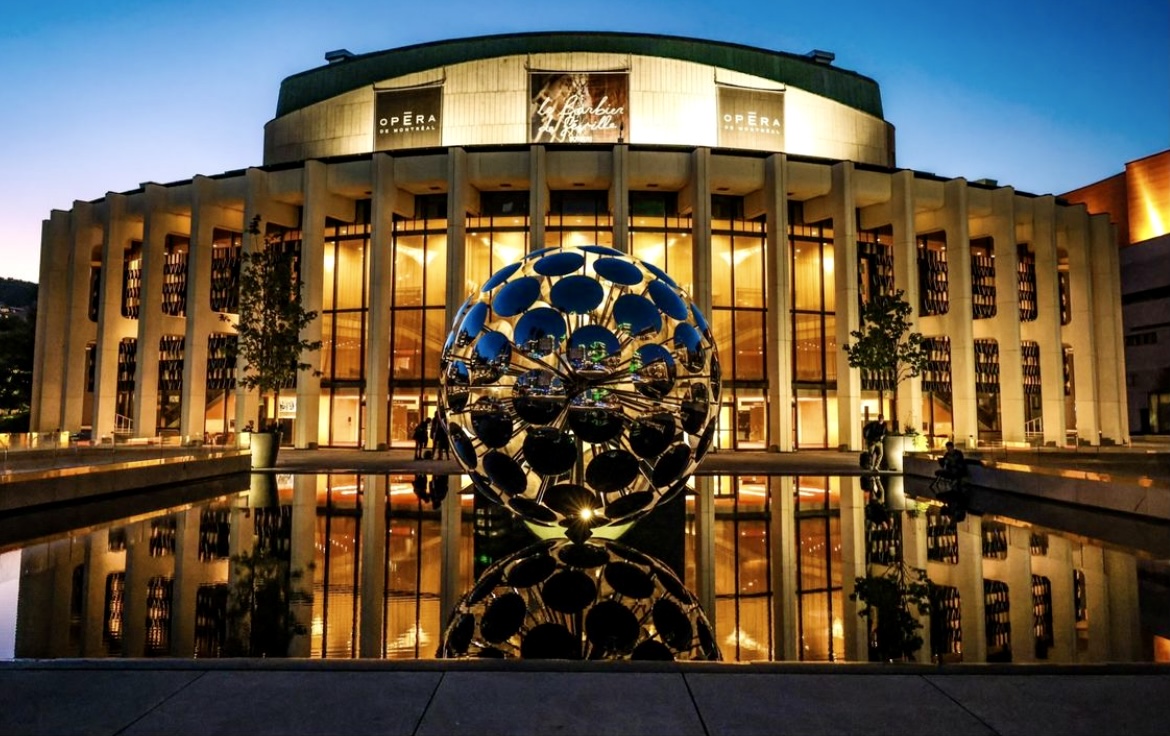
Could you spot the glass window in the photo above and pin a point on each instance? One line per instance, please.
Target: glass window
(808, 344)
(406, 345)
(721, 270)
(347, 344)
(409, 259)
(749, 345)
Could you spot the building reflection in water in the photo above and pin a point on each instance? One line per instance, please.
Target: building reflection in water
(773, 572)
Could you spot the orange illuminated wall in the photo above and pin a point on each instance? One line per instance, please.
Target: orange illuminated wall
(1138, 200)
(1148, 185)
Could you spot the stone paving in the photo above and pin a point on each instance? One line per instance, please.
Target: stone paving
(130, 697)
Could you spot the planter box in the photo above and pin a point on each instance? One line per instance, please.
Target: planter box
(264, 447)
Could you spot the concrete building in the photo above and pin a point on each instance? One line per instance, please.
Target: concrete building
(1138, 203)
(764, 182)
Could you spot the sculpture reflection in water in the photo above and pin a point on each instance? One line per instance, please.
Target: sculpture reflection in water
(579, 390)
(560, 599)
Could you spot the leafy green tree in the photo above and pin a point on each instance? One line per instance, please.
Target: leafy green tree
(271, 320)
(885, 348)
(261, 604)
(891, 600)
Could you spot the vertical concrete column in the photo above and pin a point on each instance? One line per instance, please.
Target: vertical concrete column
(1016, 571)
(200, 322)
(958, 317)
(1056, 565)
(782, 538)
(306, 428)
(372, 611)
(452, 510)
(62, 559)
(150, 316)
(457, 206)
(905, 248)
(1080, 332)
(258, 203)
(705, 544)
(778, 351)
(79, 330)
(186, 582)
(1004, 328)
(1107, 251)
(119, 228)
(968, 578)
(302, 555)
(844, 213)
(699, 189)
(58, 239)
(99, 564)
(1125, 644)
(34, 599)
(619, 197)
(853, 566)
(914, 555)
(255, 201)
(241, 536)
(538, 196)
(1098, 611)
(451, 528)
(385, 195)
(1045, 329)
(138, 573)
(1111, 390)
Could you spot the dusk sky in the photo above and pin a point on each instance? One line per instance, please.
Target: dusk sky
(102, 96)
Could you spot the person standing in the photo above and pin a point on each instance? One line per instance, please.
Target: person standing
(421, 431)
(874, 433)
(439, 443)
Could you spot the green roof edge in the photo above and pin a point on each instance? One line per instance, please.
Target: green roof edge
(319, 84)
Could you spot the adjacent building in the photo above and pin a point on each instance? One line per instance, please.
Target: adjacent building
(764, 182)
(1138, 203)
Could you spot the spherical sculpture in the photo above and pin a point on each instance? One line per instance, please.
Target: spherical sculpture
(579, 388)
(593, 600)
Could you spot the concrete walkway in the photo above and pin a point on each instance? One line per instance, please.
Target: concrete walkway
(482, 698)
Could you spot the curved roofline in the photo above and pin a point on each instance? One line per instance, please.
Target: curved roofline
(321, 83)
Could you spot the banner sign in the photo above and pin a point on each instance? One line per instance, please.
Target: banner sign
(408, 118)
(579, 107)
(751, 118)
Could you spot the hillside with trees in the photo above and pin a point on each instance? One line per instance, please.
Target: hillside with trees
(18, 320)
(16, 293)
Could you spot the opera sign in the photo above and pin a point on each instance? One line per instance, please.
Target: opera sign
(751, 118)
(408, 118)
(579, 107)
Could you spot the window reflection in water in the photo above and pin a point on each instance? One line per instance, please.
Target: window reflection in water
(157, 584)
(818, 560)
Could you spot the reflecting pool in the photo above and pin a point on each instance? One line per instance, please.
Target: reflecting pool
(380, 559)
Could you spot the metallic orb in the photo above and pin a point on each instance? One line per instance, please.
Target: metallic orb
(579, 388)
(593, 600)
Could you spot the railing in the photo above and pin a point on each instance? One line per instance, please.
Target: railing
(1034, 428)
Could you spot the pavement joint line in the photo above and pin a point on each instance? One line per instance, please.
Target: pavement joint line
(427, 708)
(694, 704)
(930, 681)
(163, 701)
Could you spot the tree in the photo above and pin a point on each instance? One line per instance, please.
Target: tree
(271, 320)
(891, 600)
(885, 349)
(261, 605)
(17, 336)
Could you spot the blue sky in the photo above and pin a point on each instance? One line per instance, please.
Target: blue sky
(102, 96)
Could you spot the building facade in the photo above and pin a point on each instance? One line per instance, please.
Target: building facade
(1138, 203)
(763, 182)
